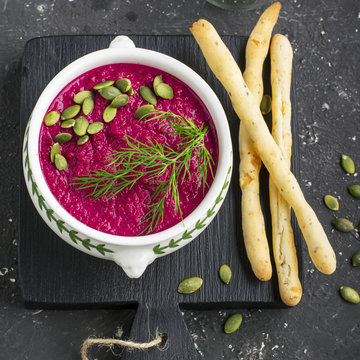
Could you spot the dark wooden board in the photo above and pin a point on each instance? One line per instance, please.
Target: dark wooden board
(54, 274)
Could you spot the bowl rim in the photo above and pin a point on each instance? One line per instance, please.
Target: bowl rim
(142, 57)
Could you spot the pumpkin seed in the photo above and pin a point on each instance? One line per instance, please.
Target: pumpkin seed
(66, 124)
(60, 162)
(147, 94)
(355, 260)
(190, 285)
(82, 140)
(164, 90)
(157, 80)
(109, 92)
(354, 191)
(348, 164)
(81, 96)
(343, 225)
(51, 118)
(63, 137)
(232, 323)
(225, 273)
(95, 127)
(265, 105)
(103, 84)
(109, 114)
(349, 294)
(130, 92)
(70, 112)
(331, 202)
(124, 85)
(144, 111)
(54, 151)
(88, 105)
(81, 125)
(120, 101)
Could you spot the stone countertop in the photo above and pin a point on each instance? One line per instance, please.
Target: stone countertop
(326, 41)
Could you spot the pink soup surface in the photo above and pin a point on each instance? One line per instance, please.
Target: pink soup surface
(121, 214)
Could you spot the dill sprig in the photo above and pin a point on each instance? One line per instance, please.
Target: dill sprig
(153, 162)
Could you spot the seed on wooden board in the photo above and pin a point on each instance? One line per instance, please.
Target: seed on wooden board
(95, 127)
(109, 114)
(120, 101)
(63, 137)
(54, 151)
(60, 162)
(81, 96)
(354, 190)
(165, 91)
(349, 294)
(190, 285)
(347, 164)
(109, 92)
(81, 125)
(331, 202)
(88, 105)
(225, 273)
(82, 140)
(51, 118)
(124, 85)
(343, 225)
(232, 323)
(103, 84)
(70, 112)
(147, 94)
(144, 111)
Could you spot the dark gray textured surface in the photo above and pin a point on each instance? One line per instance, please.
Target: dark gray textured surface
(325, 37)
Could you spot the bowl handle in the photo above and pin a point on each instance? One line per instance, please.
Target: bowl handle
(134, 260)
(122, 41)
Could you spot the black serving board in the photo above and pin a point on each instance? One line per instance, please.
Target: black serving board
(54, 274)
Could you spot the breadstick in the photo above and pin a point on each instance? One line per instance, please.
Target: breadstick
(256, 244)
(282, 234)
(227, 71)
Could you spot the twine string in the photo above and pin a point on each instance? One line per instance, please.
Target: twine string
(112, 342)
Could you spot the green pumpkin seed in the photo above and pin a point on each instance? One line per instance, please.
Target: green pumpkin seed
(109, 114)
(147, 94)
(88, 105)
(331, 202)
(355, 260)
(347, 164)
(67, 124)
(81, 125)
(51, 118)
(343, 225)
(95, 127)
(54, 151)
(349, 294)
(190, 285)
(225, 273)
(82, 140)
(63, 137)
(103, 84)
(120, 101)
(232, 323)
(124, 85)
(131, 92)
(265, 105)
(157, 80)
(81, 96)
(70, 112)
(164, 90)
(60, 162)
(144, 111)
(354, 191)
(109, 92)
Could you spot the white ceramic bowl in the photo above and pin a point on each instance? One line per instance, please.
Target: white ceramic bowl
(133, 254)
